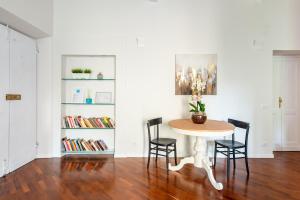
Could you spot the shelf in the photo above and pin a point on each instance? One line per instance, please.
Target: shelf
(93, 79)
(105, 64)
(87, 152)
(86, 128)
(91, 104)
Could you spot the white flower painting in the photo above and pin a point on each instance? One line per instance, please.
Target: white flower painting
(196, 72)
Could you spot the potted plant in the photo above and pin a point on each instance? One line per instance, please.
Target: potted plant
(87, 73)
(198, 110)
(77, 73)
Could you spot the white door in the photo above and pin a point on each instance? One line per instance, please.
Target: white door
(4, 105)
(22, 135)
(286, 103)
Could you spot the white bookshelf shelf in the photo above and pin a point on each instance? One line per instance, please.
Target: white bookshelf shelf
(93, 79)
(89, 104)
(88, 128)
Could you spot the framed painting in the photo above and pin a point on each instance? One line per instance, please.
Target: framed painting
(196, 72)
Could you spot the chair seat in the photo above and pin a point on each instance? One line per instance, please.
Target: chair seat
(228, 143)
(163, 141)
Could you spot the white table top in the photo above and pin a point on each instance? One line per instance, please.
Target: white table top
(210, 129)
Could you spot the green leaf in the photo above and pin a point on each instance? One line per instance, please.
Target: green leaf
(202, 107)
(199, 105)
(193, 106)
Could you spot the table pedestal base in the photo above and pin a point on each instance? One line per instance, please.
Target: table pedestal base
(200, 160)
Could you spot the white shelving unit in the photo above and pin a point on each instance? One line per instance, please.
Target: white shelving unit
(106, 64)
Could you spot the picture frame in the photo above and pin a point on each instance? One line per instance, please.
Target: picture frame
(78, 95)
(103, 97)
(196, 72)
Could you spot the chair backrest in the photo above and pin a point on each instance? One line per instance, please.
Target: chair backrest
(154, 122)
(242, 125)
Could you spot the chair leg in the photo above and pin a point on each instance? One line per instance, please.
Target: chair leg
(233, 158)
(215, 155)
(149, 154)
(167, 159)
(228, 163)
(246, 161)
(156, 155)
(175, 153)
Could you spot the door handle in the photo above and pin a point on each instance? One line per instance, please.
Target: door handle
(280, 102)
(13, 97)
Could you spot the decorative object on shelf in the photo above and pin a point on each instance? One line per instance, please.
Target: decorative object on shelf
(192, 68)
(78, 95)
(88, 99)
(103, 97)
(198, 110)
(87, 73)
(99, 75)
(77, 73)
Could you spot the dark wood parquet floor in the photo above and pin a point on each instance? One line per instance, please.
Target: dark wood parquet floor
(128, 178)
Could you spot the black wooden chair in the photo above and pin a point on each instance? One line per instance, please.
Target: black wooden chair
(158, 145)
(232, 147)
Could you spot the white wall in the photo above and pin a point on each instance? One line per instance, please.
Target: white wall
(33, 17)
(145, 76)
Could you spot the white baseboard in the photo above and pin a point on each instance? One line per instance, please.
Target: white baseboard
(265, 155)
(137, 155)
(287, 149)
(47, 156)
(44, 156)
(120, 155)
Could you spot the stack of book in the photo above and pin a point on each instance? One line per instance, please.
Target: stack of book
(92, 122)
(83, 145)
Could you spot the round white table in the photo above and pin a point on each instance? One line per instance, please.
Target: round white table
(210, 129)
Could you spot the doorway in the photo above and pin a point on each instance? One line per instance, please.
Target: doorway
(286, 97)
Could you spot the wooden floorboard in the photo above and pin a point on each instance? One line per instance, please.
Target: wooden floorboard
(127, 178)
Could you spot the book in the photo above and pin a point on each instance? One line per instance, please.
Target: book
(92, 122)
(104, 122)
(64, 141)
(103, 144)
(100, 145)
(79, 144)
(87, 123)
(69, 144)
(81, 122)
(97, 123)
(78, 121)
(112, 122)
(93, 145)
(100, 122)
(83, 145)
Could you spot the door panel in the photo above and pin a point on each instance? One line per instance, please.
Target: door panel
(4, 105)
(22, 138)
(287, 116)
